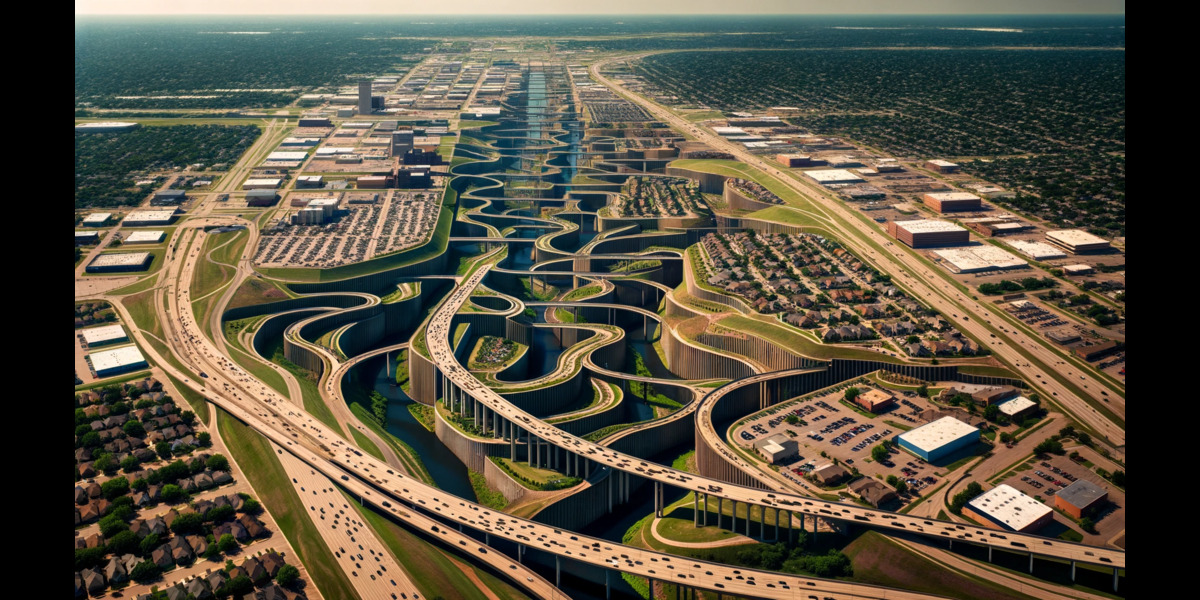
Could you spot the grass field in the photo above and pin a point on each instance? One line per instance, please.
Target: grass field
(364, 442)
(195, 400)
(797, 343)
(434, 571)
(878, 560)
(258, 462)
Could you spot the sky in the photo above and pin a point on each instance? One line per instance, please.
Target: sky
(578, 7)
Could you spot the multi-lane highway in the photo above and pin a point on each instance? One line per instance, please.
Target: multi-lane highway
(1015, 346)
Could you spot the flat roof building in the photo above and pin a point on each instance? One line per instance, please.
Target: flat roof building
(1018, 408)
(832, 176)
(106, 334)
(979, 258)
(793, 160)
(286, 156)
(874, 400)
(938, 439)
(116, 361)
(1005, 507)
(168, 197)
(152, 236)
(1081, 499)
(928, 233)
(96, 219)
(262, 184)
(106, 127)
(942, 166)
(1078, 269)
(1037, 250)
(86, 237)
(120, 262)
(159, 216)
(777, 448)
(952, 201)
(261, 197)
(314, 122)
(1077, 241)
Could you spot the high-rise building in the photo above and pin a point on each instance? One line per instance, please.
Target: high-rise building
(364, 98)
(402, 142)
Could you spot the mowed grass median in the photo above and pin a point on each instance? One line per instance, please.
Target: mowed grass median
(257, 459)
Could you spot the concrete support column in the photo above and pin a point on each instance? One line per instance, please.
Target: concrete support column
(610, 492)
(1072, 568)
(529, 447)
(1031, 563)
(557, 571)
(704, 522)
(695, 510)
(990, 556)
(1116, 579)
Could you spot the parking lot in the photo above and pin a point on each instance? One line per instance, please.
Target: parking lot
(1042, 478)
(822, 423)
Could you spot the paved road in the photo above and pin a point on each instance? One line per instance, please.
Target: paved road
(916, 275)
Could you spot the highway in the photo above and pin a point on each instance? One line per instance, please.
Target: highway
(438, 340)
(1011, 343)
(294, 430)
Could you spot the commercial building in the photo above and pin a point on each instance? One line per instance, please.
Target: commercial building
(1018, 408)
(1077, 241)
(117, 361)
(777, 448)
(106, 127)
(1078, 269)
(874, 400)
(364, 98)
(402, 142)
(120, 262)
(371, 182)
(952, 201)
(315, 122)
(96, 219)
(1063, 336)
(106, 334)
(168, 198)
(874, 492)
(942, 166)
(153, 236)
(299, 142)
(793, 160)
(261, 197)
(979, 258)
(262, 184)
(1037, 250)
(928, 233)
(829, 474)
(140, 218)
(309, 215)
(1081, 499)
(1005, 507)
(286, 156)
(310, 181)
(833, 176)
(84, 238)
(1095, 351)
(938, 439)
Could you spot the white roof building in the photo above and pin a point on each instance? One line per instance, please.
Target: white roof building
(284, 155)
(1016, 405)
(95, 219)
(1037, 250)
(828, 176)
(109, 362)
(106, 334)
(145, 237)
(1006, 506)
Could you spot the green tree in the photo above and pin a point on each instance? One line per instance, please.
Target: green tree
(187, 523)
(287, 575)
(122, 543)
(1118, 478)
(148, 544)
(134, 428)
(792, 419)
(901, 487)
(1087, 525)
(144, 571)
(227, 544)
(217, 462)
(851, 394)
(117, 486)
(172, 493)
(111, 525)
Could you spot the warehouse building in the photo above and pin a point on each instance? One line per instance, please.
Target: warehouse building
(942, 166)
(153, 236)
(262, 184)
(979, 258)
(310, 181)
(85, 238)
(1081, 499)
(96, 219)
(1004, 507)
(1078, 269)
(1077, 241)
(928, 233)
(118, 262)
(286, 156)
(261, 197)
(874, 400)
(315, 122)
(952, 201)
(142, 218)
(833, 176)
(106, 127)
(168, 198)
(938, 439)
(117, 361)
(1037, 250)
(794, 160)
(777, 448)
(106, 334)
